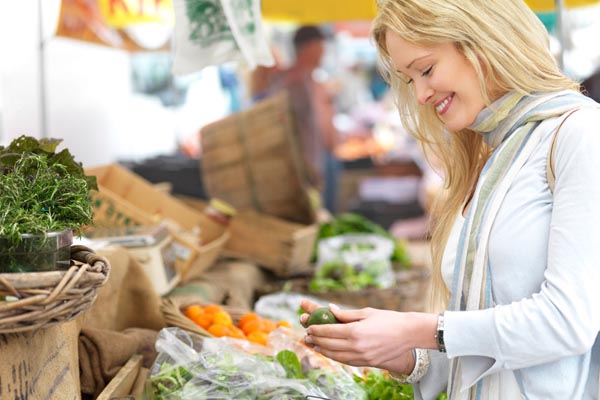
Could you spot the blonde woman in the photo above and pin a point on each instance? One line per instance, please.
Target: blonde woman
(516, 256)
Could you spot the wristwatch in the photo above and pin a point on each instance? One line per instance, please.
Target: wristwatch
(439, 334)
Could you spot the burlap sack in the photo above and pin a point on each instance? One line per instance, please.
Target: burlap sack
(102, 353)
(128, 299)
(42, 364)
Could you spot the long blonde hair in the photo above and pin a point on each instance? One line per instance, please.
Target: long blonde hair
(505, 39)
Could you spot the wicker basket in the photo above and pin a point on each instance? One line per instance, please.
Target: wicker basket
(172, 310)
(49, 298)
(408, 294)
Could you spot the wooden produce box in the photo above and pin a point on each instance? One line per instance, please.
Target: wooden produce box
(128, 383)
(281, 246)
(126, 199)
(251, 159)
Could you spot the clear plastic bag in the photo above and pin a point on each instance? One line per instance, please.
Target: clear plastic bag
(356, 261)
(192, 368)
(283, 306)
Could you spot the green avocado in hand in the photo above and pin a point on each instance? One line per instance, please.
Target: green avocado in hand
(320, 316)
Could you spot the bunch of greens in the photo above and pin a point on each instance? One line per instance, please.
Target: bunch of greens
(42, 191)
(248, 377)
(355, 223)
(337, 275)
(379, 385)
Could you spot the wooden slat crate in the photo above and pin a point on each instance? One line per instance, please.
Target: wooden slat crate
(251, 160)
(125, 198)
(280, 246)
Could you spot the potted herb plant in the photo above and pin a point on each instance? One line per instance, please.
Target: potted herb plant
(44, 199)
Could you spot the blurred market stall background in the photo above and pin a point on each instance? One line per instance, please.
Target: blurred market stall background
(98, 74)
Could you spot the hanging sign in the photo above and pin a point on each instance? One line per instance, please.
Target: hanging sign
(123, 13)
(549, 5)
(318, 11)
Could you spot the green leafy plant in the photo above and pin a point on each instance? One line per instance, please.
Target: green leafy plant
(41, 191)
(355, 223)
(379, 385)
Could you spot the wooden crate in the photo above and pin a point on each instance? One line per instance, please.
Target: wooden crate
(125, 384)
(280, 246)
(283, 247)
(124, 198)
(251, 160)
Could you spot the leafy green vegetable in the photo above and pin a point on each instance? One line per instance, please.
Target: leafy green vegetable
(42, 191)
(337, 275)
(379, 385)
(355, 223)
(289, 361)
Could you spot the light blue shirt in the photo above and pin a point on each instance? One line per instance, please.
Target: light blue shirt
(544, 253)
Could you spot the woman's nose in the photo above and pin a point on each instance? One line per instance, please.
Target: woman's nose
(424, 92)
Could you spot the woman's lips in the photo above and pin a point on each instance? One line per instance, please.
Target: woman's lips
(442, 106)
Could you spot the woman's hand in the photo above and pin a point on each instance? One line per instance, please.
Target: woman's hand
(371, 337)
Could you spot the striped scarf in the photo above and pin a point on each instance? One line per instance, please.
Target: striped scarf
(508, 126)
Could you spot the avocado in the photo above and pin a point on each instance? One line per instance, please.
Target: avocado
(321, 316)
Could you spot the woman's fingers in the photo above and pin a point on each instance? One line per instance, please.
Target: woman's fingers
(309, 306)
(346, 316)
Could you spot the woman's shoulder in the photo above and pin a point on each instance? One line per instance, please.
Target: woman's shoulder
(579, 133)
(581, 116)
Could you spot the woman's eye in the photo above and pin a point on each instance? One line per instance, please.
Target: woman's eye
(427, 71)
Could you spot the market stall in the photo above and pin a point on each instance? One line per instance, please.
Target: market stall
(167, 295)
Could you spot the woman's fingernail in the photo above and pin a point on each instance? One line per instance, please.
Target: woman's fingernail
(317, 349)
(308, 340)
(334, 306)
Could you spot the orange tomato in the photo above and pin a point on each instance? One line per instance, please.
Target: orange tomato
(193, 311)
(204, 320)
(237, 333)
(283, 323)
(268, 326)
(223, 318)
(254, 325)
(212, 308)
(247, 318)
(258, 337)
(219, 330)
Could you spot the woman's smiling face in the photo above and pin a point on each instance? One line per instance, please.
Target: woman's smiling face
(442, 78)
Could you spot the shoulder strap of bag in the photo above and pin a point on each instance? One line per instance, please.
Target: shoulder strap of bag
(550, 161)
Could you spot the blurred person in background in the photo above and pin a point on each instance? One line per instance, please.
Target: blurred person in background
(313, 106)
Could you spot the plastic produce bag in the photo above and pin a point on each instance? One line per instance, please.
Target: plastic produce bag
(212, 32)
(192, 368)
(283, 306)
(353, 262)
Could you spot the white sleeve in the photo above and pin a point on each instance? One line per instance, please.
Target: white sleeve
(563, 318)
(436, 379)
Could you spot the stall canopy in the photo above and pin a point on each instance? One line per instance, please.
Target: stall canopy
(319, 11)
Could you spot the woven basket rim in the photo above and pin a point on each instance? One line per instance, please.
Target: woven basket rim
(49, 298)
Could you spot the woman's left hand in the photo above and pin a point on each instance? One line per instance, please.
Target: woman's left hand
(371, 337)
